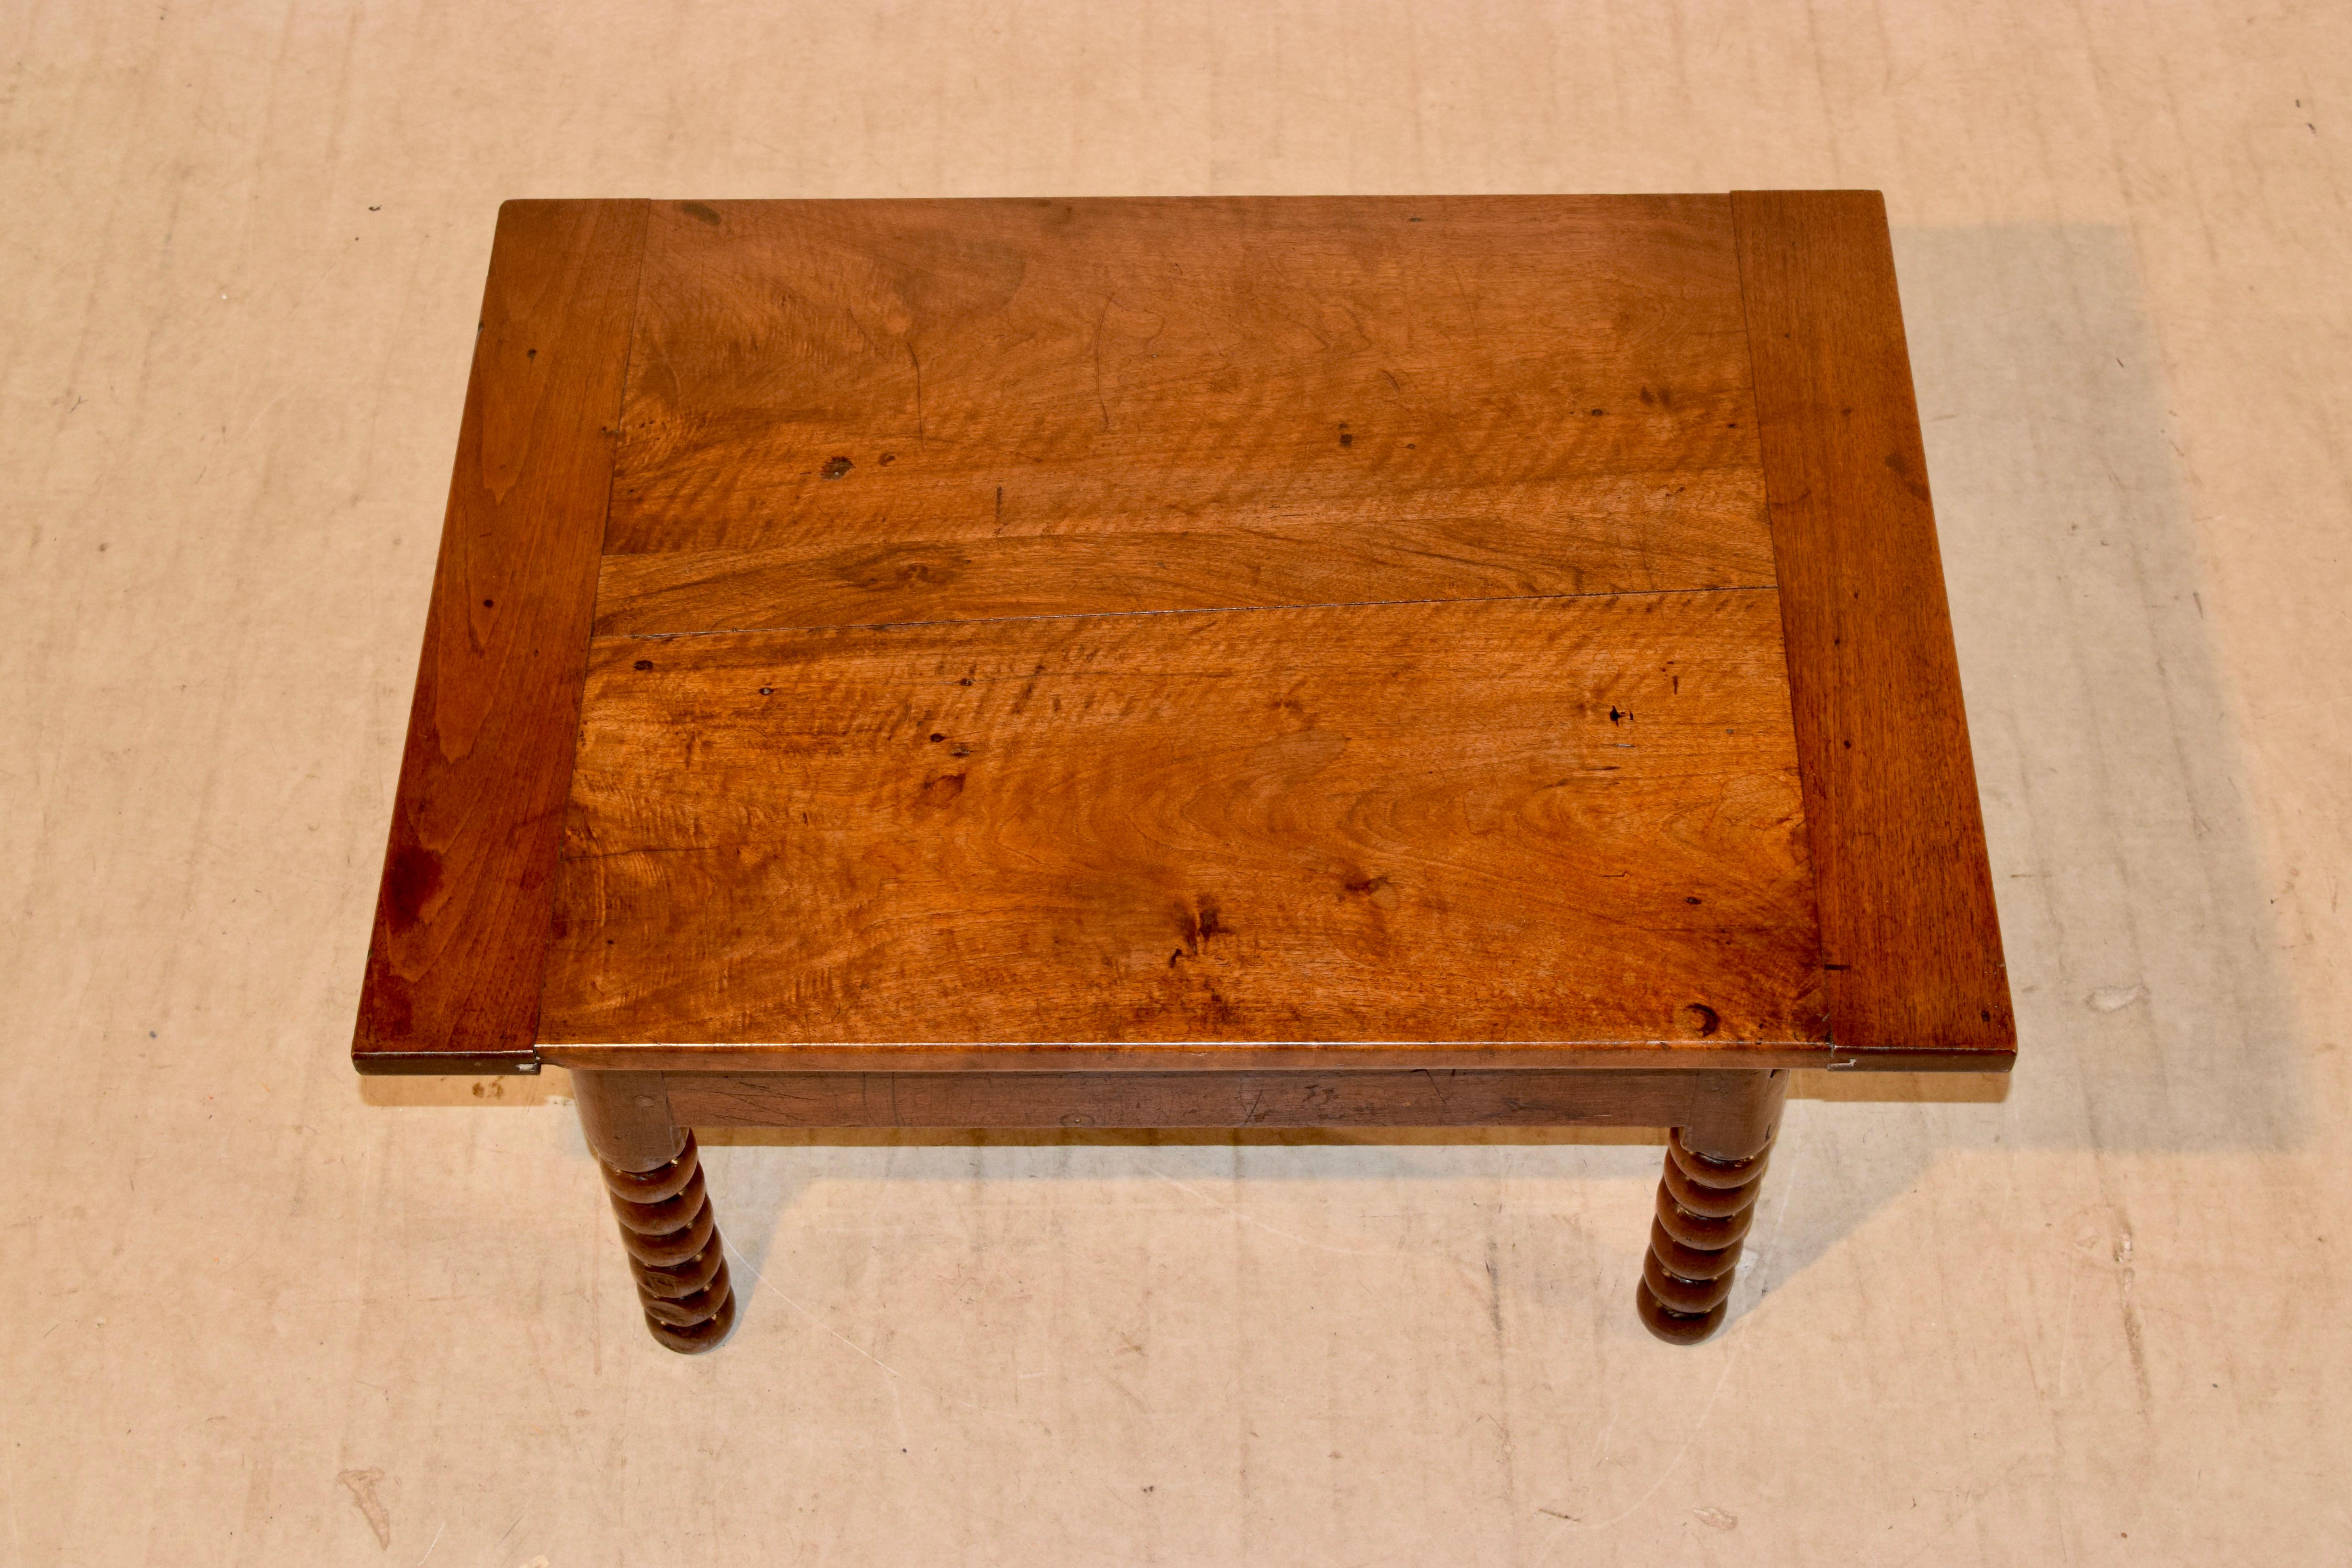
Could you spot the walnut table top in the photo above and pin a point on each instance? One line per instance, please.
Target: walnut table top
(1267, 633)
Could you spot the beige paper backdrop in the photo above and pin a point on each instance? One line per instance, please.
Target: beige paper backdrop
(250, 1319)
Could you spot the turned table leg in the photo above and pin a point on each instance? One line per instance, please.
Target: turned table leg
(1715, 1165)
(654, 1174)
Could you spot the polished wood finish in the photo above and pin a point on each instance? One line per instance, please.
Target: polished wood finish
(1503, 1098)
(876, 412)
(1574, 821)
(1911, 944)
(652, 1175)
(1707, 1203)
(1247, 662)
(463, 914)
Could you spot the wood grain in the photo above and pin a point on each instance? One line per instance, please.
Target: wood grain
(463, 914)
(1480, 549)
(847, 412)
(1910, 938)
(1503, 1098)
(1572, 820)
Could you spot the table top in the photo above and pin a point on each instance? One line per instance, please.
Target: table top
(1256, 632)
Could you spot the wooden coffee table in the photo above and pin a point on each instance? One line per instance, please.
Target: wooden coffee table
(1270, 662)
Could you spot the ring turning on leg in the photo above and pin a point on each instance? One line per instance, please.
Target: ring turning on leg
(1704, 1207)
(673, 1250)
(654, 1173)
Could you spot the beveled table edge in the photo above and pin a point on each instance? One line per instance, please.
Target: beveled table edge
(1363, 1056)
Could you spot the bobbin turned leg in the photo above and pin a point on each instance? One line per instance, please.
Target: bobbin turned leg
(1706, 1203)
(655, 1176)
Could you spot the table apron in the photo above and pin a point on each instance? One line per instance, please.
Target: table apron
(1474, 1098)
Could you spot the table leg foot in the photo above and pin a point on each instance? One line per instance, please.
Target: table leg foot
(1706, 1203)
(654, 1174)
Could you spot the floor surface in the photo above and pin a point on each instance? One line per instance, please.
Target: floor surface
(2093, 1315)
